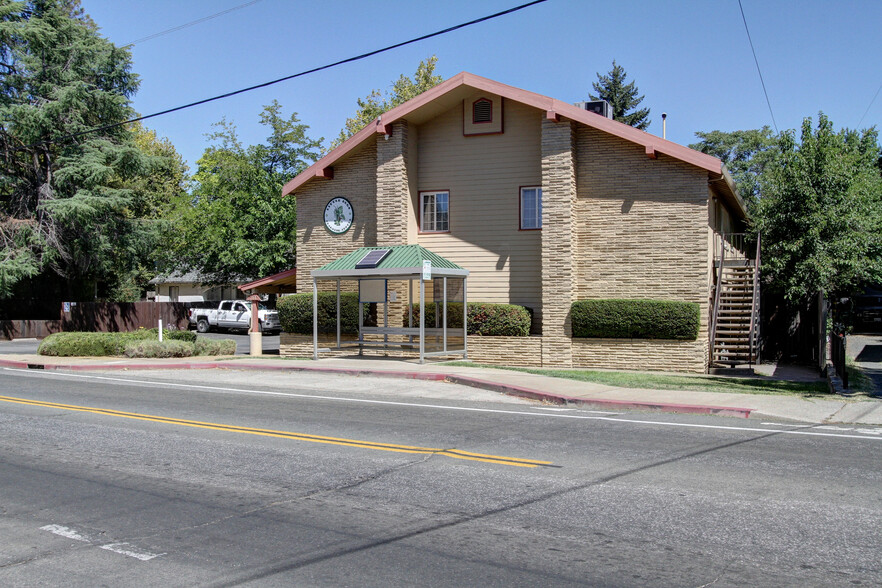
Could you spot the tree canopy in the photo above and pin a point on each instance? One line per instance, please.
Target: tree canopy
(377, 103)
(746, 154)
(623, 97)
(235, 224)
(820, 213)
(68, 204)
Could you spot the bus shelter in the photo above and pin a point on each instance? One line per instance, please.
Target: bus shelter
(373, 268)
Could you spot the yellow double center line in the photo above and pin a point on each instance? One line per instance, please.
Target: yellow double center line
(454, 453)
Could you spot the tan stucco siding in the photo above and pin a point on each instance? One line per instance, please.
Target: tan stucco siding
(484, 175)
(354, 179)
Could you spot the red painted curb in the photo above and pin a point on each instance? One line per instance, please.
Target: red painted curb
(509, 389)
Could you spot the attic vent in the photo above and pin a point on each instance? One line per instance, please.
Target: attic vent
(482, 111)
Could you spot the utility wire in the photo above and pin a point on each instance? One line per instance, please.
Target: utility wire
(870, 105)
(190, 24)
(757, 66)
(291, 77)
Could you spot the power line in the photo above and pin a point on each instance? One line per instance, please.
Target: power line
(757, 66)
(870, 105)
(286, 78)
(190, 24)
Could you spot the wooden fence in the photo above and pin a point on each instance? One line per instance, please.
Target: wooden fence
(101, 317)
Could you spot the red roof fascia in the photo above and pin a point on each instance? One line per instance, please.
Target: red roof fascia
(269, 279)
(555, 109)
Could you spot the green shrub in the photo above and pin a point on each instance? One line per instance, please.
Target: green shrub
(73, 343)
(636, 319)
(156, 348)
(215, 347)
(295, 313)
(484, 318)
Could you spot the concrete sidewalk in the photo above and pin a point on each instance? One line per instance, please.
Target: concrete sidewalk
(826, 410)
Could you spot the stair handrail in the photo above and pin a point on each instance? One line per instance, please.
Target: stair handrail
(717, 288)
(754, 307)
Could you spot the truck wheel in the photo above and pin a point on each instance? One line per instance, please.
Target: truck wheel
(202, 325)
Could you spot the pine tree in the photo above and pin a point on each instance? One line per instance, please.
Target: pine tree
(622, 97)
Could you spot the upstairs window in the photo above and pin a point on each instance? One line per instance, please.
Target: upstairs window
(531, 208)
(482, 111)
(434, 212)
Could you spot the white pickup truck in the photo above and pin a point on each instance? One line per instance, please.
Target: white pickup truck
(234, 314)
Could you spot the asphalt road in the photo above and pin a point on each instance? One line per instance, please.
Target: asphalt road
(226, 478)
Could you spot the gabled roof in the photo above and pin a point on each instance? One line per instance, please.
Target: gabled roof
(281, 282)
(402, 260)
(450, 92)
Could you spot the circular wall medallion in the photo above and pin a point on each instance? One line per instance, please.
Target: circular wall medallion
(338, 215)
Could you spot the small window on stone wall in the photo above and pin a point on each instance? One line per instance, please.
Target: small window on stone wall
(482, 111)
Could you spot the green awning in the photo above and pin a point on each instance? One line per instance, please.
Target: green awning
(402, 260)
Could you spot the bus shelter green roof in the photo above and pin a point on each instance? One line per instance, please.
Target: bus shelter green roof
(402, 260)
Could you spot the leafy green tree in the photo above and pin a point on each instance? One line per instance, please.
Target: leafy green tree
(235, 224)
(623, 97)
(820, 213)
(65, 201)
(376, 103)
(746, 154)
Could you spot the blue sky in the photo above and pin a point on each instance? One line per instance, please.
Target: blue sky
(690, 59)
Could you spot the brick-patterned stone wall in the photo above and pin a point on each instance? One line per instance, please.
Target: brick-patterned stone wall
(558, 201)
(642, 228)
(640, 354)
(393, 186)
(355, 179)
(510, 351)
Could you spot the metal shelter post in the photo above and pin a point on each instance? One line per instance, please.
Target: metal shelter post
(338, 314)
(410, 307)
(315, 318)
(360, 322)
(444, 313)
(422, 321)
(465, 319)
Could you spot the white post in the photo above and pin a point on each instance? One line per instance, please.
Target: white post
(422, 321)
(465, 319)
(444, 325)
(160, 330)
(338, 313)
(315, 319)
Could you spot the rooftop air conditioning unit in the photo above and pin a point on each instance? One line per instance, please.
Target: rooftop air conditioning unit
(601, 107)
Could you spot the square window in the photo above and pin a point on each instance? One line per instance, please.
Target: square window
(434, 212)
(531, 208)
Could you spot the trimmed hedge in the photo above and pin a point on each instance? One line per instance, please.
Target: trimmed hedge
(485, 319)
(636, 319)
(295, 313)
(71, 344)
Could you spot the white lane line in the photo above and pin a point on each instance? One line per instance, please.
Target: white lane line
(611, 419)
(130, 550)
(65, 532)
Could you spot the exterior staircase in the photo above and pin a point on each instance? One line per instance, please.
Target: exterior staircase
(734, 333)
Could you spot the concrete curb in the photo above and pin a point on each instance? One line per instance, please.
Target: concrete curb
(491, 386)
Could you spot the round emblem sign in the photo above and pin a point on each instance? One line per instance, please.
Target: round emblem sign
(338, 215)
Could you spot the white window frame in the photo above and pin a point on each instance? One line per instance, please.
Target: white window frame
(537, 208)
(424, 225)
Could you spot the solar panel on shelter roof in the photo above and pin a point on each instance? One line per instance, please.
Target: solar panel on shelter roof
(372, 258)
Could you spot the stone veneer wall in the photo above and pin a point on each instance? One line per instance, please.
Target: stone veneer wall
(642, 232)
(640, 354)
(355, 179)
(616, 354)
(558, 200)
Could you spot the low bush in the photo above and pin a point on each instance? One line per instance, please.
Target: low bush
(636, 319)
(483, 319)
(295, 313)
(214, 347)
(157, 348)
(73, 343)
